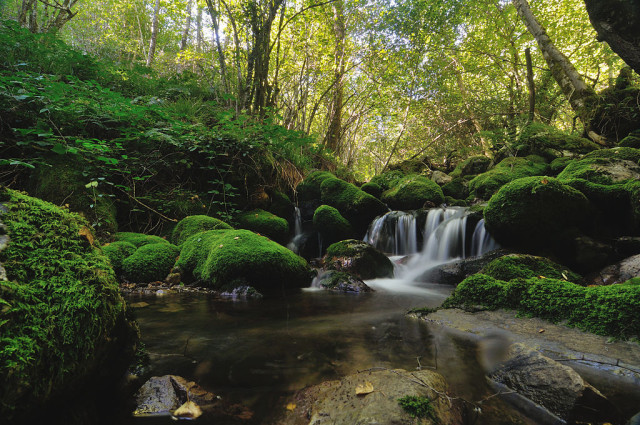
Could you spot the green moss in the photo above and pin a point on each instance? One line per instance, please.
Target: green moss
(138, 239)
(331, 225)
(193, 224)
(472, 165)
(559, 164)
(452, 202)
(372, 189)
(515, 266)
(388, 180)
(265, 223)
(603, 310)
(540, 139)
(150, 263)
(117, 253)
(224, 257)
(281, 205)
(631, 141)
(485, 185)
(535, 212)
(411, 193)
(358, 258)
(418, 407)
(357, 206)
(63, 320)
(604, 167)
(629, 154)
(456, 188)
(309, 188)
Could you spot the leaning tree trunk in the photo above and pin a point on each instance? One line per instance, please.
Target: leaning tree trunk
(618, 23)
(577, 92)
(154, 34)
(187, 27)
(334, 132)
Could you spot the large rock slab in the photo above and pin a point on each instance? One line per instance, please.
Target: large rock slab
(164, 394)
(336, 402)
(619, 272)
(555, 386)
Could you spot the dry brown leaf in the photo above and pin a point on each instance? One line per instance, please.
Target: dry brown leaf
(84, 231)
(544, 181)
(363, 389)
(540, 331)
(291, 406)
(188, 410)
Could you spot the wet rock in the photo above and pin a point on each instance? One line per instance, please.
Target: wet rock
(552, 385)
(336, 402)
(243, 292)
(358, 258)
(627, 246)
(619, 272)
(455, 272)
(164, 394)
(340, 282)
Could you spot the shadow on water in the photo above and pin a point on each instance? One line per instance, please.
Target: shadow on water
(257, 352)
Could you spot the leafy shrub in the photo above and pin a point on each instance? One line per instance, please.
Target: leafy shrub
(418, 407)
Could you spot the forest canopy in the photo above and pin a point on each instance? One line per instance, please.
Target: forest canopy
(372, 82)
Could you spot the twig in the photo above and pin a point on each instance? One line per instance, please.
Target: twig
(133, 198)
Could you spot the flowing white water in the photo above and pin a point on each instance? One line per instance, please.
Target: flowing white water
(445, 239)
(294, 244)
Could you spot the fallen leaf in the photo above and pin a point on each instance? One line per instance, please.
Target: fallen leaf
(188, 410)
(544, 181)
(540, 331)
(565, 276)
(363, 389)
(541, 277)
(84, 231)
(237, 237)
(220, 246)
(291, 406)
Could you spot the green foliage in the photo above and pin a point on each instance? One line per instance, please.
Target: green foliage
(540, 139)
(359, 258)
(331, 225)
(138, 239)
(515, 266)
(60, 307)
(535, 212)
(191, 225)
(411, 193)
(488, 183)
(309, 188)
(357, 206)
(603, 310)
(418, 407)
(264, 223)
(228, 258)
(150, 263)
(117, 252)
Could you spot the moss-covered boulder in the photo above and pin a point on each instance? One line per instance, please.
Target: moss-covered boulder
(332, 226)
(309, 188)
(358, 258)
(535, 213)
(150, 263)
(457, 188)
(471, 166)
(388, 180)
(540, 139)
(138, 239)
(341, 282)
(117, 252)
(357, 206)
(193, 224)
(65, 329)
(280, 204)
(412, 192)
(606, 166)
(557, 165)
(225, 259)
(604, 310)
(522, 266)
(265, 223)
(372, 189)
(486, 184)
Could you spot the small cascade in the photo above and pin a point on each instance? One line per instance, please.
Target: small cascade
(394, 233)
(298, 236)
(445, 234)
(482, 242)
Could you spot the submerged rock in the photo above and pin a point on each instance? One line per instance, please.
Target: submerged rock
(341, 282)
(553, 385)
(165, 394)
(371, 397)
(358, 258)
(619, 272)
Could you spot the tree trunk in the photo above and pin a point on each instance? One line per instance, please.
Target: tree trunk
(334, 132)
(577, 92)
(531, 84)
(199, 30)
(215, 16)
(187, 27)
(154, 34)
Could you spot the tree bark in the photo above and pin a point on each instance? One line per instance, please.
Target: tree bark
(187, 27)
(199, 30)
(334, 132)
(531, 84)
(215, 16)
(577, 92)
(154, 34)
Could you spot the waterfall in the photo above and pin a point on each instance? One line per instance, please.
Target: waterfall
(298, 236)
(394, 233)
(297, 219)
(445, 234)
(482, 242)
